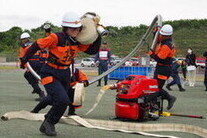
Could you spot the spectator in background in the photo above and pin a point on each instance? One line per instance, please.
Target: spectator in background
(103, 58)
(184, 69)
(205, 76)
(191, 67)
(175, 75)
(184, 72)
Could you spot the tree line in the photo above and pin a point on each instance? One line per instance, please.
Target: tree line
(187, 33)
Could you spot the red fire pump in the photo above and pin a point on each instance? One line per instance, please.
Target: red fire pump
(134, 98)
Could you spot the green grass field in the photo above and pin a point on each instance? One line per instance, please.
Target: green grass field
(15, 94)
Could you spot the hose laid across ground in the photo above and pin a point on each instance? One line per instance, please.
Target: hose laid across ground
(98, 98)
(125, 127)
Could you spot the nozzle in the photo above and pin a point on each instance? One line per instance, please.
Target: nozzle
(113, 86)
(102, 31)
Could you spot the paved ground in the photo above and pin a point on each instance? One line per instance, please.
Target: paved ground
(15, 94)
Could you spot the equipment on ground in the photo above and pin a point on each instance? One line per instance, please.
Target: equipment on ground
(134, 100)
(181, 115)
(124, 127)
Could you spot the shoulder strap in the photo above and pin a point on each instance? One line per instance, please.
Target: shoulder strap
(169, 43)
(64, 40)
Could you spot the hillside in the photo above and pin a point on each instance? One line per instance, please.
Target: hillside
(187, 33)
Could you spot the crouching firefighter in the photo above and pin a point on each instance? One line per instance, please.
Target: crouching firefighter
(77, 76)
(36, 61)
(163, 55)
(56, 74)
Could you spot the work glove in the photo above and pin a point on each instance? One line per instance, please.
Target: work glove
(85, 83)
(150, 52)
(23, 63)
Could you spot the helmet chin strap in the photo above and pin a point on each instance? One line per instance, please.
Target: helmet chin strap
(72, 39)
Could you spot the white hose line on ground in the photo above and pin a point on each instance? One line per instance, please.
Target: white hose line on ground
(125, 127)
(98, 98)
(158, 20)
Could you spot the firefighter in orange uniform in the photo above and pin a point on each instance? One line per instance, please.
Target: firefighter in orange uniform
(35, 61)
(164, 54)
(56, 74)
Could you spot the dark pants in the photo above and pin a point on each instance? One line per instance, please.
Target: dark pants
(205, 78)
(164, 71)
(103, 67)
(36, 65)
(57, 92)
(48, 101)
(161, 93)
(45, 101)
(176, 79)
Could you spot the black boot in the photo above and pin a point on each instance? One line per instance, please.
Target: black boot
(181, 88)
(171, 101)
(48, 128)
(168, 87)
(71, 110)
(105, 82)
(99, 83)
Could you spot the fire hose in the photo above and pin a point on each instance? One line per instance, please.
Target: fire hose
(158, 20)
(125, 127)
(112, 125)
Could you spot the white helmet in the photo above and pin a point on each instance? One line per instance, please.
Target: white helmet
(166, 30)
(71, 19)
(24, 35)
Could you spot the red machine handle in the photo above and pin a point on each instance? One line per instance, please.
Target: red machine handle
(191, 116)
